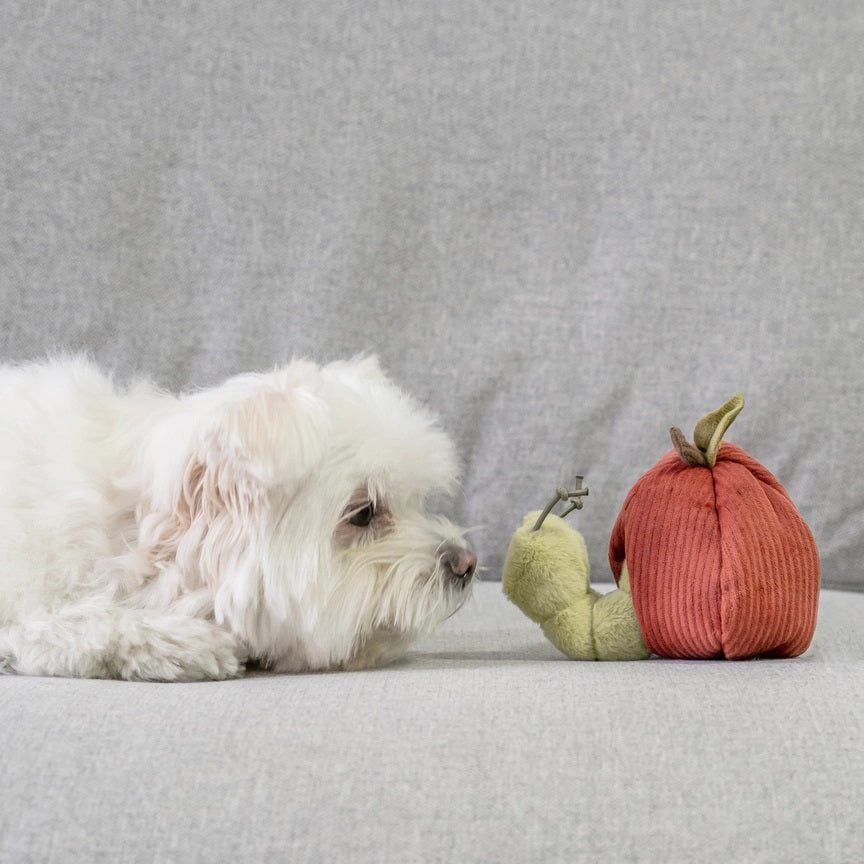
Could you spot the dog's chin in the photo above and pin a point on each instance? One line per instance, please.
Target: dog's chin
(370, 618)
(380, 648)
(387, 643)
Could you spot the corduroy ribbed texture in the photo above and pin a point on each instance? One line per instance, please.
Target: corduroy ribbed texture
(721, 563)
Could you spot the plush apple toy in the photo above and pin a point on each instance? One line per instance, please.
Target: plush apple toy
(710, 556)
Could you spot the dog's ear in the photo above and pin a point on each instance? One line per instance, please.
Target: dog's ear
(267, 438)
(264, 430)
(209, 465)
(277, 435)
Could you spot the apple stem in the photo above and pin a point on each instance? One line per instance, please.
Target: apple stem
(708, 434)
(692, 456)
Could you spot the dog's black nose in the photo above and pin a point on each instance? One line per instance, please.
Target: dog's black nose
(462, 562)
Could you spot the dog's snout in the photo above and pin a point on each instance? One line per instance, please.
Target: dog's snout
(461, 562)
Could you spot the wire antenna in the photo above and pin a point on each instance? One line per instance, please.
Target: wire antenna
(574, 499)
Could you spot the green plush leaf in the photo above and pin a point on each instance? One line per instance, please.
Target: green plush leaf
(711, 428)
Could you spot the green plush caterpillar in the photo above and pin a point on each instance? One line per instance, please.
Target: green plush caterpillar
(547, 575)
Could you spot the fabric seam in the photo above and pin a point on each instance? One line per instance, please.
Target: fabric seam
(720, 587)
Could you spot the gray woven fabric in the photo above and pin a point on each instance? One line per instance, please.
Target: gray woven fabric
(483, 745)
(565, 225)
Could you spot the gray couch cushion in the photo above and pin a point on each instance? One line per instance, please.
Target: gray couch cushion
(565, 225)
(484, 744)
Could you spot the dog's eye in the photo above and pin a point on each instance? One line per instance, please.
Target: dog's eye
(361, 518)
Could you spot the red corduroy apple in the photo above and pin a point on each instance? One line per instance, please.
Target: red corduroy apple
(721, 563)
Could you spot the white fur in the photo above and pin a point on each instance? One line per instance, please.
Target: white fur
(148, 536)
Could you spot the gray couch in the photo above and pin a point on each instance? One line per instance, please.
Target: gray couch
(565, 226)
(483, 745)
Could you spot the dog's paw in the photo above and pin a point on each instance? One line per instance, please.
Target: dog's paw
(179, 649)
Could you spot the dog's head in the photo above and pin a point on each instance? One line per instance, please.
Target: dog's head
(297, 498)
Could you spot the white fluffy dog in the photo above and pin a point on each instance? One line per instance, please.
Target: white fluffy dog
(277, 518)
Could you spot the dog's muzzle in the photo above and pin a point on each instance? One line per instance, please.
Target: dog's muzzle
(459, 563)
